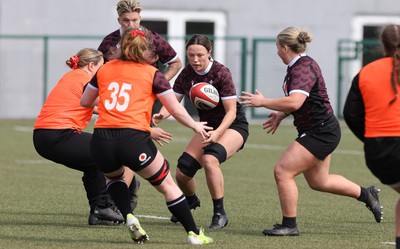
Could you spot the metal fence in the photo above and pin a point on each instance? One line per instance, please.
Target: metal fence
(352, 56)
(30, 66)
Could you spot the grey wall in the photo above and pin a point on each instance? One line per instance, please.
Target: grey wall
(327, 20)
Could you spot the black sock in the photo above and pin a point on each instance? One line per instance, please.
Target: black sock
(180, 209)
(219, 205)
(364, 195)
(397, 242)
(120, 194)
(191, 199)
(289, 222)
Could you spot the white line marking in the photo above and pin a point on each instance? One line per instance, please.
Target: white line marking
(247, 145)
(152, 217)
(279, 147)
(389, 243)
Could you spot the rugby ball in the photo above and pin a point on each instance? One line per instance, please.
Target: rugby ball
(204, 96)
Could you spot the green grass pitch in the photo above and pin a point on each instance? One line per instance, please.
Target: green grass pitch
(43, 205)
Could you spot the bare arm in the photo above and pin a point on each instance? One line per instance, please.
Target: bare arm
(172, 105)
(287, 104)
(90, 97)
(230, 115)
(163, 113)
(173, 68)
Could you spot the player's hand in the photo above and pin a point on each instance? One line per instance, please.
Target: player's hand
(252, 100)
(272, 124)
(213, 137)
(160, 136)
(202, 129)
(156, 119)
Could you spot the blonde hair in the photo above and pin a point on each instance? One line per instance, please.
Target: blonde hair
(124, 6)
(137, 47)
(295, 38)
(84, 57)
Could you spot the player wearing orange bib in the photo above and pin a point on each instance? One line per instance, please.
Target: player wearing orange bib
(58, 134)
(127, 88)
(124, 111)
(372, 112)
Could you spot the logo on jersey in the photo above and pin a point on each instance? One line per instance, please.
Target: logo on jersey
(143, 158)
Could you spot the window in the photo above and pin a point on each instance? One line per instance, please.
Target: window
(368, 28)
(160, 27)
(180, 23)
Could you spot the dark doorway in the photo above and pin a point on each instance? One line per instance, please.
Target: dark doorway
(371, 50)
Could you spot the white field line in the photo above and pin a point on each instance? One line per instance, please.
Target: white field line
(389, 243)
(152, 217)
(278, 147)
(248, 145)
(185, 140)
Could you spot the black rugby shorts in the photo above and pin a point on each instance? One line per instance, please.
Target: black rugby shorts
(323, 139)
(113, 148)
(382, 156)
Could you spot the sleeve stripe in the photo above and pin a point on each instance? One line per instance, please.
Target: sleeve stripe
(300, 91)
(164, 93)
(229, 97)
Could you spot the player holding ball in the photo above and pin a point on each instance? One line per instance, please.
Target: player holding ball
(227, 118)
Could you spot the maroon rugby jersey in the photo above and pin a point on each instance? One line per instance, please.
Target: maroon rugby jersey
(220, 77)
(161, 47)
(305, 76)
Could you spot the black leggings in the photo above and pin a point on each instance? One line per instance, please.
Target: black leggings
(72, 149)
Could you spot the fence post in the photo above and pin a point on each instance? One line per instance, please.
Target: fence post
(45, 66)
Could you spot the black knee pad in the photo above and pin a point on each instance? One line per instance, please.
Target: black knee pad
(159, 177)
(216, 150)
(188, 165)
(112, 180)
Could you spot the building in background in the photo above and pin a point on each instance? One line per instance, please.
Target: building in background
(37, 36)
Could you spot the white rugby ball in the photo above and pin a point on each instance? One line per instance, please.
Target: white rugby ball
(204, 96)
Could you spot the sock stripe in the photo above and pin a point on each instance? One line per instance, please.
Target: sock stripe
(175, 202)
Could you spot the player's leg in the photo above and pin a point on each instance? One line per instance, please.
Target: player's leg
(134, 184)
(72, 149)
(120, 193)
(188, 165)
(158, 174)
(397, 220)
(78, 155)
(121, 147)
(318, 178)
(295, 160)
(214, 154)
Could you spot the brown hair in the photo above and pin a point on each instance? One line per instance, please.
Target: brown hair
(135, 46)
(84, 57)
(199, 40)
(295, 38)
(390, 39)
